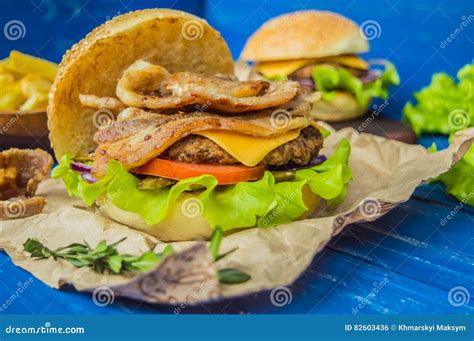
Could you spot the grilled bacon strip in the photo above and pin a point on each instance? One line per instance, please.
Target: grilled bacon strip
(104, 103)
(157, 134)
(21, 170)
(149, 86)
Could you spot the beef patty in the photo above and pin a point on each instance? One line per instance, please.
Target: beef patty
(198, 149)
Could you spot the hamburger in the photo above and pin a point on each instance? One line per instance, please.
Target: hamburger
(320, 50)
(166, 140)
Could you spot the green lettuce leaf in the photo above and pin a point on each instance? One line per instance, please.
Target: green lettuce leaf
(443, 96)
(438, 105)
(246, 204)
(329, 79)
(460, 179)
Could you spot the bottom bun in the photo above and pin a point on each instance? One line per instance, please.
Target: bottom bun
(184, 220)
(342, 108)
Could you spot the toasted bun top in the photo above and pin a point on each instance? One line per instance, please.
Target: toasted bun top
(176, 40)
(305, 34)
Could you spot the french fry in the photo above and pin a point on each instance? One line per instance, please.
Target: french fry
(33, 84)
(25, 64)
(11, 97)
(4, 65)
(36, 102)
(6, 79)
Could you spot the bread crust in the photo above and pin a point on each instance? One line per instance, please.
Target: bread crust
(184, 220)
(177, 40)
(342, 107)
(304, 34)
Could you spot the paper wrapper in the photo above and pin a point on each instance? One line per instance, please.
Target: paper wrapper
(386, 173)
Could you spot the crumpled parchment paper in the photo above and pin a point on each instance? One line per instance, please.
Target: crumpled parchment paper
(386, 173)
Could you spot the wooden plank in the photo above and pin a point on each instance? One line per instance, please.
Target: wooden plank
(339, 284)
(436, 194)
(412, 240)
(335, 283)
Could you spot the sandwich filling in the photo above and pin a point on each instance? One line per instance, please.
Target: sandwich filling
(241, 147)
(347, 73)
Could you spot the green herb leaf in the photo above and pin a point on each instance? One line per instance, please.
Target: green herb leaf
(146, 262)
(232, 276)
(215, 244)
(226, 254)
(103, 258)
(115, 263)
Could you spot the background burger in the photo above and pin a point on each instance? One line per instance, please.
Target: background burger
(185, 146)
(319, 50)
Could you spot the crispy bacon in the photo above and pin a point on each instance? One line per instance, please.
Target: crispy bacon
(21, 207)
(104, 103)
(21, 170)
(153, 138)
(145, 85)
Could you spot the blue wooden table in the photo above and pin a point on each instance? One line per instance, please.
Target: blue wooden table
(407, 262)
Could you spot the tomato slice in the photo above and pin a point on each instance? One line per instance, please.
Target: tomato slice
(225, 175)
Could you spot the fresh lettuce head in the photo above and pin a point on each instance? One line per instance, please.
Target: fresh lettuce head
(444, 106)
(330, 79)
(247, 204)
(460, 179)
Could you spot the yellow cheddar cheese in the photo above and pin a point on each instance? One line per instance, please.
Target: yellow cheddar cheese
(249, 150)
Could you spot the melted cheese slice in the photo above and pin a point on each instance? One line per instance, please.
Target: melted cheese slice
(249, 150)
(286, 67)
